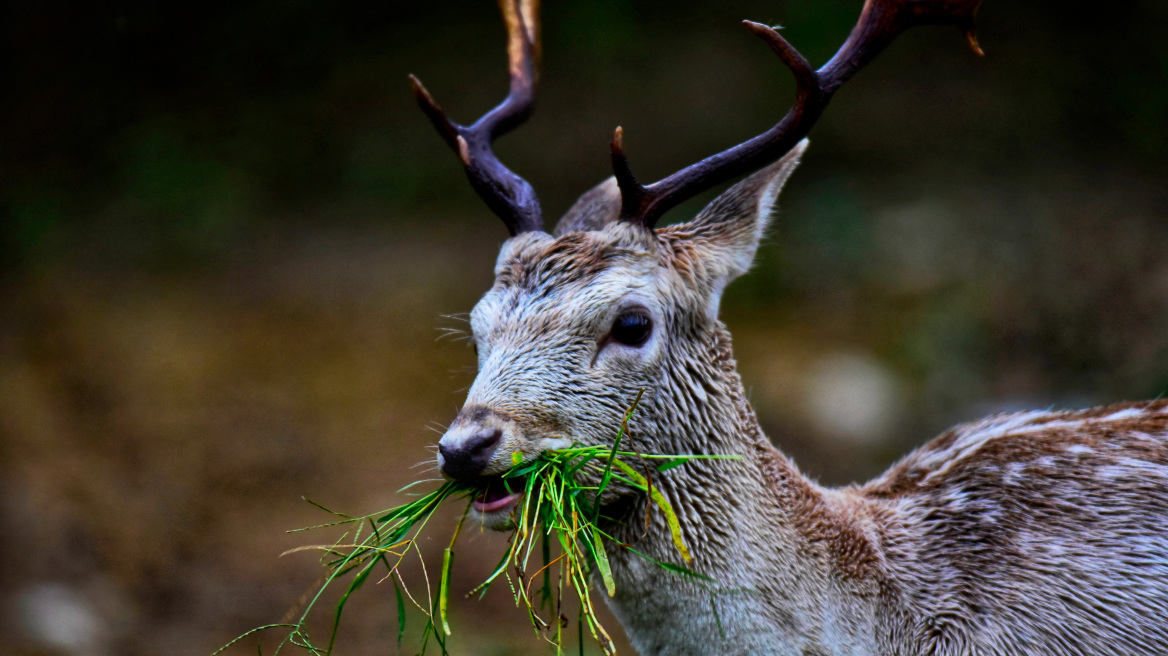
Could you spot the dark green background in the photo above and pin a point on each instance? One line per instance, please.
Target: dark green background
(228, 235)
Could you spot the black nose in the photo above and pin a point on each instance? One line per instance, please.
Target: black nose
(467, 460)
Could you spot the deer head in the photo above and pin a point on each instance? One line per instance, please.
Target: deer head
(578, 321)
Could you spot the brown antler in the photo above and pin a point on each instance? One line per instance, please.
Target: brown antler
(507, 194)
(880, 22)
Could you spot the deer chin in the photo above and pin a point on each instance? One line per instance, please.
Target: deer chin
(494, 507)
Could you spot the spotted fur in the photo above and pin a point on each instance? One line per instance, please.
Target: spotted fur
(1026, 533)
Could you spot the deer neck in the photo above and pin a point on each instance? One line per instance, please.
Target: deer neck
(750, 524)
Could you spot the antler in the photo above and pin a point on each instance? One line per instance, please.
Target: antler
(881, 21)
(507, 194)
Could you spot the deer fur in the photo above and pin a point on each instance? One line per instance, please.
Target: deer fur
(1024, 533)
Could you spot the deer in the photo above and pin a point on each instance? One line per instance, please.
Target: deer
(1036, 532)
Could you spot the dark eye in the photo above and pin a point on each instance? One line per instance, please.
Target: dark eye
(632, 328)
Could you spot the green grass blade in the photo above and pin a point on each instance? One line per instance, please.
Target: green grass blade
(602, 562)
(499, 569)
(670, 567)
(327, 510)
(249, 633)
(355, 585)
(401, 612)
(545, 591)
(553, 502)
(624, 427)
(666, 509)
(676, 462)
(444, 588)
(584, 461)
(717, 617)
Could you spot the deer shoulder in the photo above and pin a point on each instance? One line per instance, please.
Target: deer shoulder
(1031, 532)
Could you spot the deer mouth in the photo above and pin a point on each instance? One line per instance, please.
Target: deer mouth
(497, 496)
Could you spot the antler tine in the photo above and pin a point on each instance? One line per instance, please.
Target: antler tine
(880, 22)
(507, 194)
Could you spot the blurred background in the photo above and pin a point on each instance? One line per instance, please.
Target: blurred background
(229, 238)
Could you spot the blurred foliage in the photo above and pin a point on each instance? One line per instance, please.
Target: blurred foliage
(227, 234)
(181, 124)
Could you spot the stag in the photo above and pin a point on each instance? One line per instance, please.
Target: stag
(1023, 533)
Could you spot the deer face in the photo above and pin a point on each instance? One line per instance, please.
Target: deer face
(576, 324)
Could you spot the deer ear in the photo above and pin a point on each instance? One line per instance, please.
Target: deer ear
(598, 207)
(723, 238)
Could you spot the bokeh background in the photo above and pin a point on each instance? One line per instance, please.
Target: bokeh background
(229, 238)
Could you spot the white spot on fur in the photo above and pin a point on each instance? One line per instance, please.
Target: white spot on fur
(1014, 475)
(1141, 468)
(956, 500)
(1126, 413)
(972, 437)
(991, 515)
(1110, 472)
(547, 444)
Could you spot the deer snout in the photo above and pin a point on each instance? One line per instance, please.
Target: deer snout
(465, 451)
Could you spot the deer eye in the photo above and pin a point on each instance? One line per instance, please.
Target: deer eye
(632, 328)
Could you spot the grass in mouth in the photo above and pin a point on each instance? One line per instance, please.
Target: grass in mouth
(557, 509)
